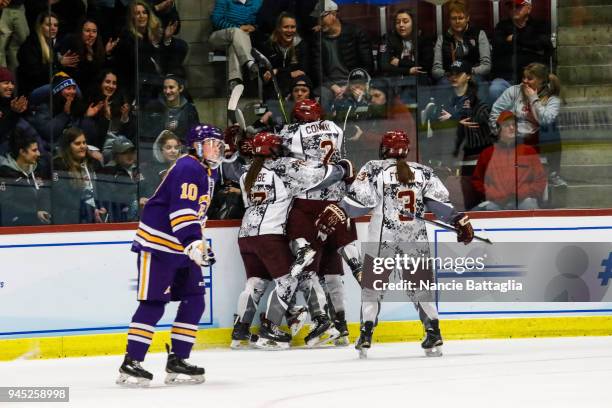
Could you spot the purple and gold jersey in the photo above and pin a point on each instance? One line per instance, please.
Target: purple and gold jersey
(320, 142)
(376, 187)
(279, 180)
(175, 216)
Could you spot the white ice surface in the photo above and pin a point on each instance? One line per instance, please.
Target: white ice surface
(521, 373)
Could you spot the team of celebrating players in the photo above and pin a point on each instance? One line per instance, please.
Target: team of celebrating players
(300, 195)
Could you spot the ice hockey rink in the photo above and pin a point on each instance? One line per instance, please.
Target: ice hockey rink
(545, 372)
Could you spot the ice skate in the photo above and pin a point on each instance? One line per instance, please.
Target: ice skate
(241, 336)
(433, 340)
(322, 333)
(296, 318)
(181, 372)
(271, 337)
(340, 325)
(364, 342)
(303, 258)
(131, 374)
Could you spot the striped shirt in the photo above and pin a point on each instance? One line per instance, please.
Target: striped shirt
(232, 13)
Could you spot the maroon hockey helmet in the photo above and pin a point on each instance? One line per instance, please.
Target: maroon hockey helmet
(267, 144)
(394, 143)
(307, 110)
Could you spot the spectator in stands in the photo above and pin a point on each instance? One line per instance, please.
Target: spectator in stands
(536, 104)
(107, 13)
(157, 50)
(24, 188)
(70, 13)
(287, 53)
(509, 176)
(301, 89)
(67, 108)
(83, 54)
(13, 32)
(166, 149)
(462, 41)
(472, 118)
(167, 13)
(472, 115)
(518, 41)
(36, 55)
(11, 108)
(171, 111)
(398, 56)
(338, 49)
(267, 17)
(114, 116)
(118, 182)
(354, 102)
(74, 195)
(233, 23)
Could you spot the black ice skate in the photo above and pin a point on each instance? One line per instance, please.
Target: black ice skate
(296, 317)
(433, 340)
(340, 325)
(271, 337)
(131, 374)
(322, 333)
(364, 342)
(241, 335)
(303, 258)
(181, 372)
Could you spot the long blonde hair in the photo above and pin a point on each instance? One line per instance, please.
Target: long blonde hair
(45, 46)
(154, 27)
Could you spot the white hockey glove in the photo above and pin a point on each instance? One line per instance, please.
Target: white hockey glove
(199, 252)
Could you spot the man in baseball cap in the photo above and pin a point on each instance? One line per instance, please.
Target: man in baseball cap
(324, 7)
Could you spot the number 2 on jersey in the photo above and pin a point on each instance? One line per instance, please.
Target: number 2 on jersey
(329, 148)
(407, 197)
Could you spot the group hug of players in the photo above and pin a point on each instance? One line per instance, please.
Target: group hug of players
(300, 195)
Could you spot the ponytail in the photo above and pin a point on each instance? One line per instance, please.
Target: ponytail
(404, 173)
(251, 176)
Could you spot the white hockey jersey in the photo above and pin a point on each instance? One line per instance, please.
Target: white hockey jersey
(279, 180)
(376, 187)
(321, 142)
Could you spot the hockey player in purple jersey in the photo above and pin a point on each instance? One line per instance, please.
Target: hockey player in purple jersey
(171, 253)
(392, 190)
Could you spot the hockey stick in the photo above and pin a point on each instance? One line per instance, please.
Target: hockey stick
(232, 103)
(265, 62)
(443, 225)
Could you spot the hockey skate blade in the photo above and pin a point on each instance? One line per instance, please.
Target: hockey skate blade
(324, 339)
(363, 353)
(183, 379)
(341, 341)
(128, 381)
(265, 344)
(241, 345)
(434, 352)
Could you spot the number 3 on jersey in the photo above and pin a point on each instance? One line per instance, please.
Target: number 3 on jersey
(407, 197)
(189, 191)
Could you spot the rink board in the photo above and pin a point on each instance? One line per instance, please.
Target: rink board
(71, 291)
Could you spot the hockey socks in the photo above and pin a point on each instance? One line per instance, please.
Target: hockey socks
(185, 326)
(142, 327)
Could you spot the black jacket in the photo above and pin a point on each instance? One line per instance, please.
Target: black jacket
(71, 203)
(392, 48)
(32, 71)
(470, 41)
(285, 61)
(355, 51)
(118, 192)
(22, 195)
(532, 44)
